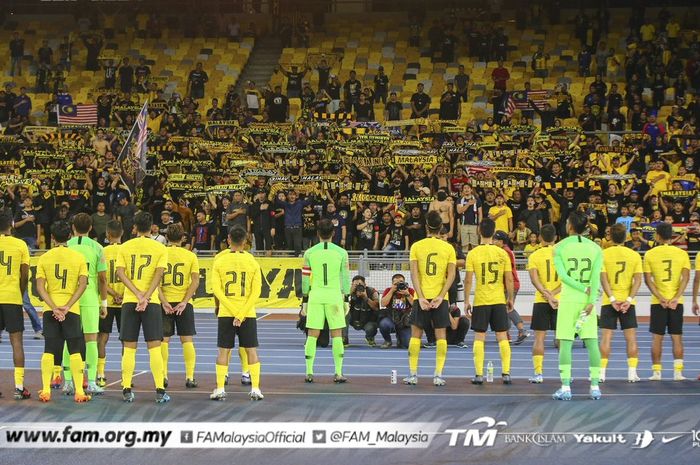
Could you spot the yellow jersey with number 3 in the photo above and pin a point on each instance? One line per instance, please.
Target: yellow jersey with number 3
(620, 263)
(432, 255)
(141, 257)
(542, 260)
(111, 253)
(489, 263)
(237, 283)
(62, 268)
(13, 254)
(178, 275)
(665, 263)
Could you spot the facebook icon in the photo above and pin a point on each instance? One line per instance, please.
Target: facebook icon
(186, 437)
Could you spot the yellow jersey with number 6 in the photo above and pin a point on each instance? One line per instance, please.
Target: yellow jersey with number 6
(432, 255)
(665, 263)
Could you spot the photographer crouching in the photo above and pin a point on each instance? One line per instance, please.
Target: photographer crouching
(397, 302)
(364, 310)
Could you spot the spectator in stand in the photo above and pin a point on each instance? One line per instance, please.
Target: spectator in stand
(292, 212)
(126, 76)
(584, 62)
(45, 53)
(278, 106)
(351, 91)
(500, 76)
(25, 223)
(203, 234)
(420, 103)
(260, 215)
(449, 104)
(462, 83)
(502, 215)
(381, 86)
(294, 80)
(23, 104)
(393, 108)
(539, 62)
(196, 81)
(16, 54)
(397, 302)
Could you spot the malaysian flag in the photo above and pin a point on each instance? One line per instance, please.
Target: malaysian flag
(132, 159)
(538, 97)
(509, 107)
(77, 114)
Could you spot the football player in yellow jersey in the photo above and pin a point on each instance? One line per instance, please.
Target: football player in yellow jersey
(696, 289)
(237, 282)
(433, 268)
(620, 277)
(61, 278)
(115, 293)
(180, 282)
(493, 298)
(666, 273)
(140, 266)
(14, 276)
(540, 266)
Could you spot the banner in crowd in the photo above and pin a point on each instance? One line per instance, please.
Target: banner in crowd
(281, 283)
(132, 159)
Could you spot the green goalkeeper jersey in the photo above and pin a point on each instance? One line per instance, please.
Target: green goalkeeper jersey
(326, 275)
(95, 259)
(578, 262)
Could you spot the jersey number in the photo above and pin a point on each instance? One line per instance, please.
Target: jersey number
(7, 264)
(232, 281)
(548, 264)
(61, 275)
(582, 266)
(137, 274)
(667, 269)
(623, 265)
(113, 278)
(430, 266)
(178, 276)
(325, 274)
(492, 268)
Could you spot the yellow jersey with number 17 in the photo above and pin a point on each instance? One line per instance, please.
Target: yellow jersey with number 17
(13, 254)
(489, 263)
(620, 264)
(665, 263)
(62, 268)
(141, 257)
(432, 255)
(542, 260)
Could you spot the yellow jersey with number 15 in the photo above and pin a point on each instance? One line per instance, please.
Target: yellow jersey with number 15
(141, 257)
(665, 263)
(489, 263)
(432, 255)
(620, 263)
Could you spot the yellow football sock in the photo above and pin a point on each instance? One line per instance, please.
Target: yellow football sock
(165, 354)
(128, 366)
(57, 370)
(440, 356)
(603, 363)
(632, 362)
(413, 352)
(656, 367)
(101, 362)
(678, 364)
(46, 371)
(156, 358)
(538, 363)
(504, 347)
(255, 375)
(19, 377)
(478, 358)
(190, 356)
(243, 355)
(221, 371)
(76, 368)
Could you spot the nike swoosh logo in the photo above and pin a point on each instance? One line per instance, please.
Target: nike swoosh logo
(665, 440)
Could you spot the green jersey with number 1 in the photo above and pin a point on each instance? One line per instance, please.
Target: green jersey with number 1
(326, 275)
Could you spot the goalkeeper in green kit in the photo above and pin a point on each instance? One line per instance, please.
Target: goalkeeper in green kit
(578, 262)
(325, 278)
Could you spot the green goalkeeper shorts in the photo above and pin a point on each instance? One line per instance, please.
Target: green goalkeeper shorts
(90, 318)
(567, 314)
(317, 314)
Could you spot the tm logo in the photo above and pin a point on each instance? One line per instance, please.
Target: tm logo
(477, 437)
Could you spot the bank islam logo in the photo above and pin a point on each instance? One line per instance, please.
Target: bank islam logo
(477, 437)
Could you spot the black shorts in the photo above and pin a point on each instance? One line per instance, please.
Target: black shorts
(495, 316)
(544, 317)
(69, 328)
(184, 323)
(11, 318)
(663, 320)
(609, 316)
(113, 314)
(151, 319)
(247, 333)
(438, 318)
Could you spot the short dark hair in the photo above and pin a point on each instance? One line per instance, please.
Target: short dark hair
(82, 223)
(359, 277)
(487, 228)
(548, 233)
(618, 233)
(578, 222)
(237, 234)
(143, 222)
(115, 229)
(61, 231)
(5, 222)
(325, 228)
(174, 232)
(665, 231)
(398, 275)
(433, 221)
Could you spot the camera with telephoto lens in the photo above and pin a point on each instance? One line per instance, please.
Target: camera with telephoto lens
(402, 286)
(360, 288)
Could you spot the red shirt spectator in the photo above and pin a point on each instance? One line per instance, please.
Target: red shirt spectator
(500, 77)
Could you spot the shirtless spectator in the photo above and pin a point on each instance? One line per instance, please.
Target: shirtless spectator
(445, 207)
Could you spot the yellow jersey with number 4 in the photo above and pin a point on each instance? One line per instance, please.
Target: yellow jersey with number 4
(62, 268)
(141, 257)
(620, 263)
(432, 255)
(13, 254)
(665, 263)
(489, 263)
